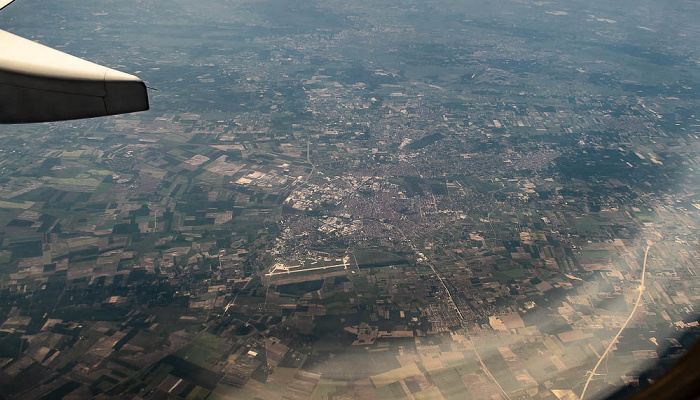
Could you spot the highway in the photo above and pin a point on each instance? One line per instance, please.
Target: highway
(591, 374)
(466, 331)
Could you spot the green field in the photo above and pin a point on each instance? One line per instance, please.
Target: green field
(12, 204)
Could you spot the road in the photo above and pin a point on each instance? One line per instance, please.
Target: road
(308, 159)
(592, 373)
(462, 319)
(466, 331)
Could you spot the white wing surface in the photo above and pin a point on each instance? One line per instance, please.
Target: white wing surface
(4, 3)
(39, 84)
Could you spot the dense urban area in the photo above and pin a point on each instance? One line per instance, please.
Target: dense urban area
(357, 199)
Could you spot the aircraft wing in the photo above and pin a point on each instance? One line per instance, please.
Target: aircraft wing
(40, 84)
(4, 3)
